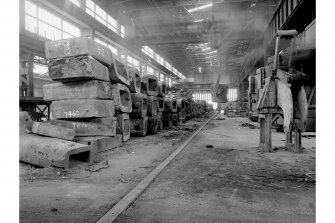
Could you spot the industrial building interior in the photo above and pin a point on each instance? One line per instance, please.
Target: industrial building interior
(167, 111)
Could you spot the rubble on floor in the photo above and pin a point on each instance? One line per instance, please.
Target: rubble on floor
(251, 126)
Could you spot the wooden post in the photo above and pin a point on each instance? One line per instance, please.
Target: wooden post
(297, 141)
(31, 76)
(268, 140)
(262, 132)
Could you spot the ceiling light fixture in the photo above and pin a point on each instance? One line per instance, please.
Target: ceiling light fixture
(200, 8)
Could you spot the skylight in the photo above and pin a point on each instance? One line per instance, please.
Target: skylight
(200, 8)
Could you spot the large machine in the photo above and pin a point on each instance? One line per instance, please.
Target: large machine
(283, 90)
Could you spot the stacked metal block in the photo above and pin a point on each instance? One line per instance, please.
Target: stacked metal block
(92, 95)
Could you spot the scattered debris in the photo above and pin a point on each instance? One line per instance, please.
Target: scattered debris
(97, 167)
(308, 136)
(251, 126)
(220, 118)
(54, 210)
(280, 148)
(171, 133)
(146, 167)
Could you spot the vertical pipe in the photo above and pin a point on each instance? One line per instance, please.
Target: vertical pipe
(31, 76)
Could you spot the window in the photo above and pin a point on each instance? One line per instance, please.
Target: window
(122, 31)
(143, 69)
(132, 62)
(162, 78)
(159, 59)
(44, 23)
(148, 51)
(102, 16)
(232, 94)
(76, 2)
(136, 63)
(168, 66)
(105, 43)
(150, 70)
(112, 23)
(113, 49)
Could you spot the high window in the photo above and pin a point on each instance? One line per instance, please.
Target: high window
(150, 70)
(113, 49)
(133, 62)
(102, 16)
(148, 51)
(162, 78)
(45, 23)
(76, 2)
(232, 94)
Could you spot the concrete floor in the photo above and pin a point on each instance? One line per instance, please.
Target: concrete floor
(219, 177)
(77, 195)
(222, 177)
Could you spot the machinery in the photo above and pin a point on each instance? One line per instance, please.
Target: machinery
(36, 106)
(280, 91)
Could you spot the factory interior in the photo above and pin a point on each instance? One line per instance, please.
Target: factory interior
(158, 111)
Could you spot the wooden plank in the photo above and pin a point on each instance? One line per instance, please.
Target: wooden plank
(127, 200)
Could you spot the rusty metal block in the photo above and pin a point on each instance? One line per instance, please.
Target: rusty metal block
(180, 104)
(78, 46)
(77, 68)
(101, 143)
(175, 119)
(77, 90)
(182, 115)
(152, 105)
(47, 129)
(144, 87)
(123, 126)
(82, 108)
(150, 82)
(48, 151)
(160, 104)
(170, 105)
(90, 127)
(25, 121)
(122, 98)
(118, 72)
(159, 121)
(167, 119)
(135, 80)
(140, 105)
(139, 126)
(152, 125)
(161, 89)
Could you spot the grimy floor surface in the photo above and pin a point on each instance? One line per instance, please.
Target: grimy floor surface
(219, 177)
(222, 177)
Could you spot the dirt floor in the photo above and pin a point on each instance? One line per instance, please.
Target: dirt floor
(219, 177)
(222, 177)
(80, 195)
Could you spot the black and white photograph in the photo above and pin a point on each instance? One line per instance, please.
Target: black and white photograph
(167, 111)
